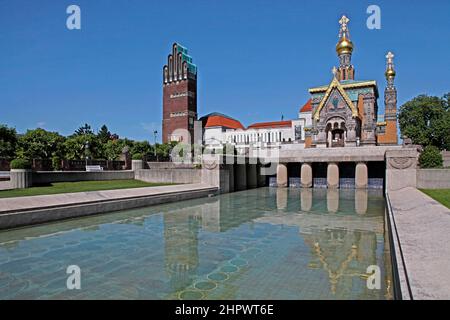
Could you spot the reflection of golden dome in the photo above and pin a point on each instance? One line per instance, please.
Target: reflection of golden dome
(344, 45)
(390, 73)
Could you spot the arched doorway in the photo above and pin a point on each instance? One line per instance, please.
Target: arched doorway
(336, 133)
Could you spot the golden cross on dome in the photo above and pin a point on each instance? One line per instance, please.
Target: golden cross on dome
(390, 57)
(343, 22)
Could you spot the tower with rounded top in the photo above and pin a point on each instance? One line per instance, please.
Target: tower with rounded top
(344, 49)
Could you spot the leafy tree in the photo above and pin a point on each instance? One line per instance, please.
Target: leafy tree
(113, 149)
(75, 147)
(142, 147)
(426, 120)
(430, 157)
(8, 141)
(84, 130)
(40, 144)
(164, 150)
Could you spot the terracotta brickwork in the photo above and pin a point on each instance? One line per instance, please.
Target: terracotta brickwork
(179, 96)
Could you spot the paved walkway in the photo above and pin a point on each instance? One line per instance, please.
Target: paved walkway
(423, 226)
(9, 205)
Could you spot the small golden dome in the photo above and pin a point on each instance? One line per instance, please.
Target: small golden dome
(390, 73)
(344, 45)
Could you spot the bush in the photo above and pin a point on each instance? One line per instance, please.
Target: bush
(20, 164)
(137, 156)
(430, 158)
(56, 163)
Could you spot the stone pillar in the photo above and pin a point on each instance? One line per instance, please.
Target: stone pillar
(282, 198)
(306, 196)
(333, 175)
(21, 178)
(361, 197)
(361, 176)
(252, 181)
(401, 168)
(137, 165)
(306, 176)
(332, 200)
(282, 175)
(240, 177)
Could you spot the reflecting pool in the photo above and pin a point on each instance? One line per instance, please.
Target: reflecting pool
(265, 243)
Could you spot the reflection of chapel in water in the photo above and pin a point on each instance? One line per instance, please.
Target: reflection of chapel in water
(342, 245)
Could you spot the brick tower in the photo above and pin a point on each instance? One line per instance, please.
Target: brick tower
(390, 105)
(179, 96)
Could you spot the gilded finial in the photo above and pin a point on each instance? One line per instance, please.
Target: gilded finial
(344, 29)
(344, 44)
(390, 72)
(334, 71)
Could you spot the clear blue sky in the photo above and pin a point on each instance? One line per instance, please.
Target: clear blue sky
(256, 59)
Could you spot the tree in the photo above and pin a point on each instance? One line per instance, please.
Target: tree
(426, 120)
(8, 141)
(84, 130)
(430, 158)
(40, 144)
(104, 135)
(75, 147)
(113, 149)
(142, 147)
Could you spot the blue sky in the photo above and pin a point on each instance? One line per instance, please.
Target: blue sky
(256, 59)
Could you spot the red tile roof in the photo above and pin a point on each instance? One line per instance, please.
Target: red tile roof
(307, 107)
(221, 121)
(273, 124)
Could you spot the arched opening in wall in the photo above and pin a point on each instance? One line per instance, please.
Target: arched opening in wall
(294, 169)
(319, 171)
(347, 175)
(376, 171)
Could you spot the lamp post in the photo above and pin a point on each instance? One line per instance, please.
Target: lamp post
(86, 148)
(155, 133)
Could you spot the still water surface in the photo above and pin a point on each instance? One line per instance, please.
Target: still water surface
(263, 243)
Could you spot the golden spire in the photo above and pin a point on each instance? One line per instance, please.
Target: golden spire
(344, 44)
(390, 72)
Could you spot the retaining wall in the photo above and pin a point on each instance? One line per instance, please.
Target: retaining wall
(169, 175)
(433, 178)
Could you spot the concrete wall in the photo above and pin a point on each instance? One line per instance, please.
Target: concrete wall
(433, 178)
(43, 177)
(168, 165)
(169, 175)
(446, 158)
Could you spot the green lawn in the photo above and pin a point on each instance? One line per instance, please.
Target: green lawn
(440, 195)
(82, 186)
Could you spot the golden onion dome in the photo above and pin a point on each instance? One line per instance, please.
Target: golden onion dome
(390, 73)
(344, 45)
